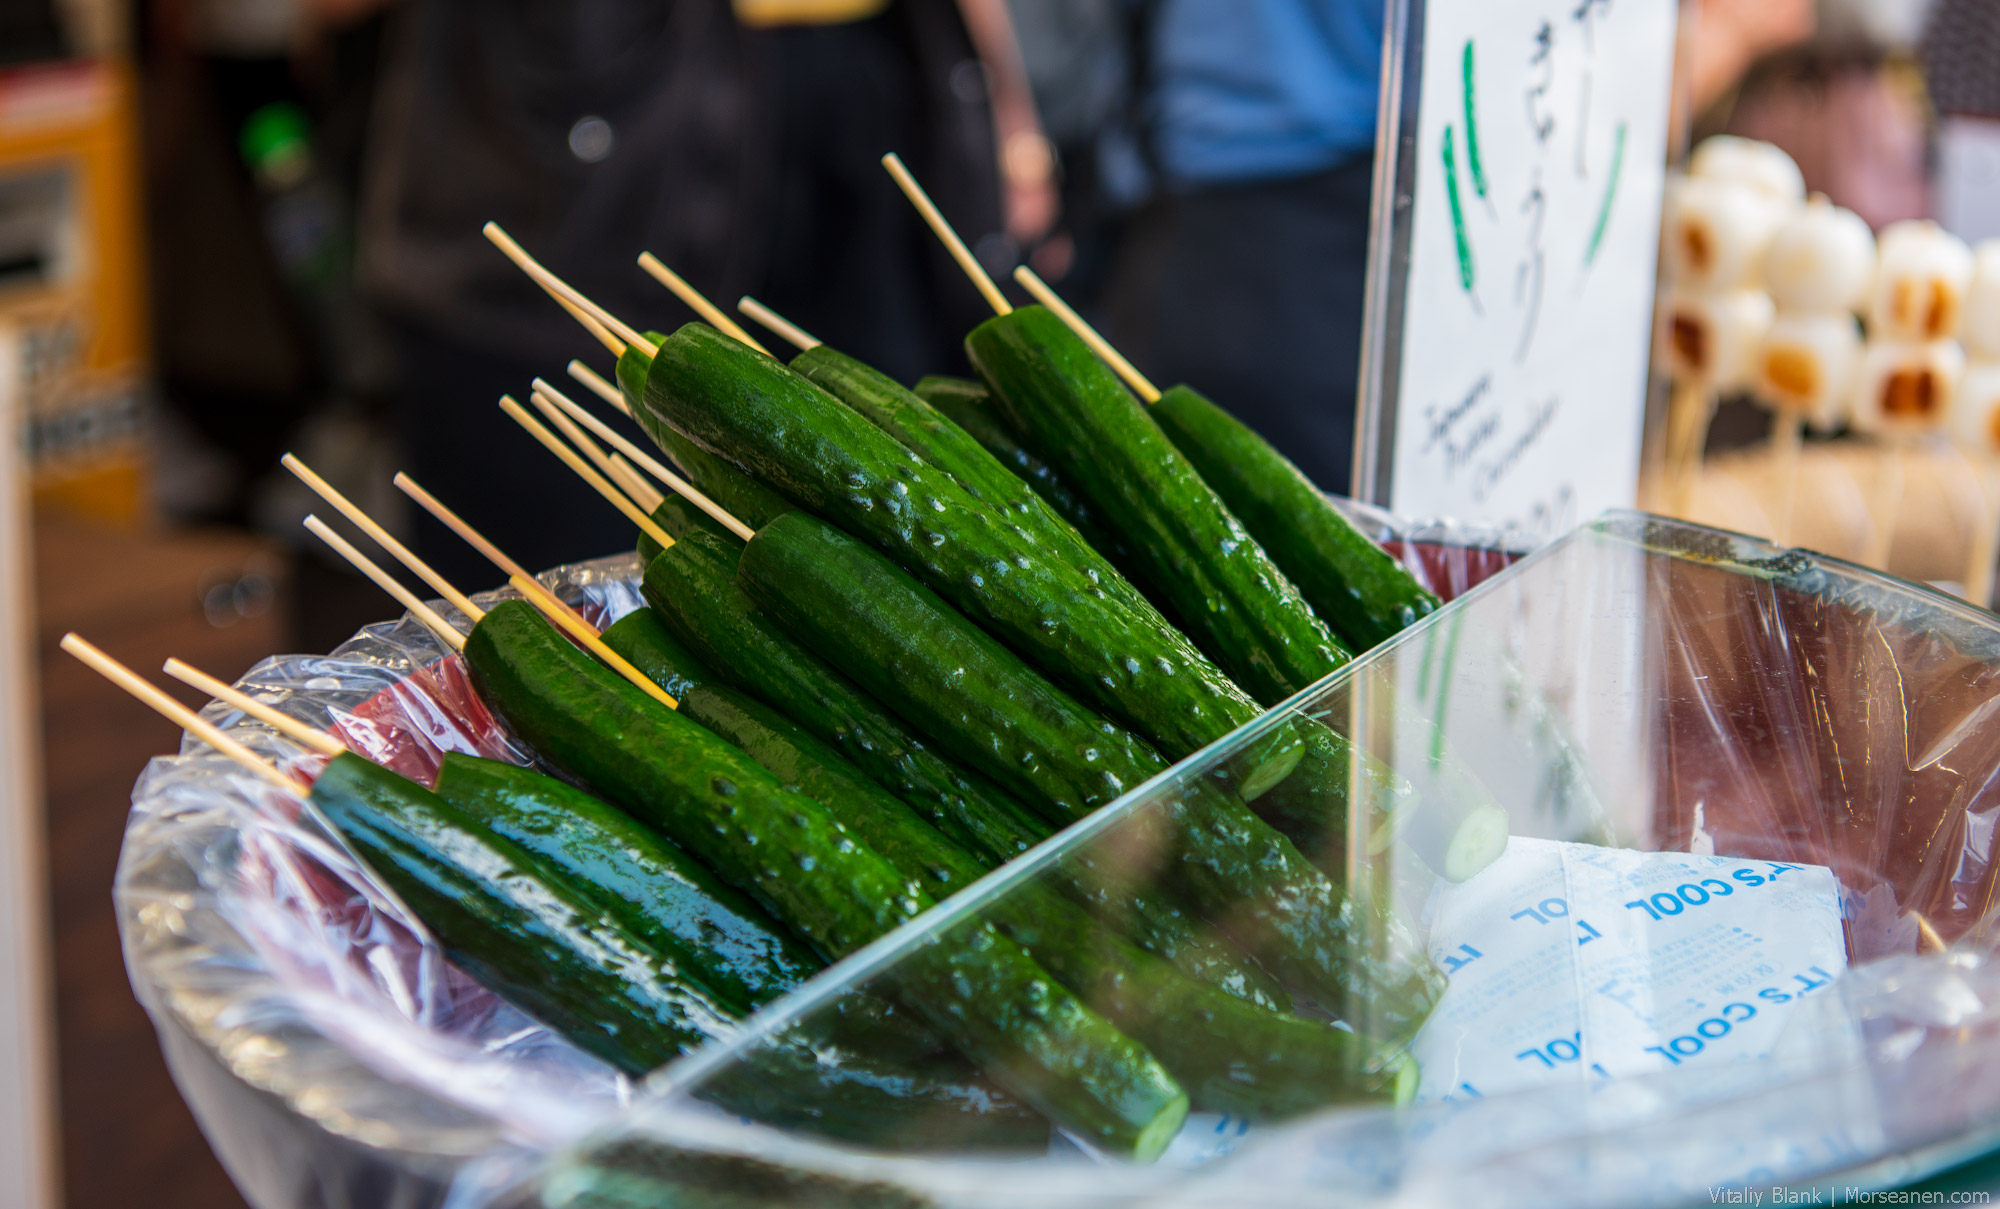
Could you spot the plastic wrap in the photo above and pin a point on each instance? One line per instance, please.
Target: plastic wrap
(1640, 685)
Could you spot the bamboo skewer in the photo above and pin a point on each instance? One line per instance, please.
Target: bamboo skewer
(403, 554)
(424, 614)
(286, 725)
(715, 315)
(125, 678)
(632, 483)
(784, 327)
(556, 285)
(590, 324)
(587, 636)
(599, 387)
(477, 540)
(598, 482)
(646, 461)
(577, 438)
(952, 243)
(1140, 384)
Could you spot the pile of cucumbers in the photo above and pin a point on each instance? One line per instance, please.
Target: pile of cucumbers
(970, 615)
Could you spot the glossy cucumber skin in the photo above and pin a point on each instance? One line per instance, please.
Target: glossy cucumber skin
(936, 439)
(1246, 614)
(1360, 590)
(784, 431)
(693, 588)
(895, 638)
(740, 495)
(647, 645)
(511, 919)
(661, 894)
(525, 936)
(1231, 1056)
(972, 696)
(970, 405)
(680, 518)
(996, 1005)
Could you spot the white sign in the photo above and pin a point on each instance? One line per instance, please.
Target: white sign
(1504, 373)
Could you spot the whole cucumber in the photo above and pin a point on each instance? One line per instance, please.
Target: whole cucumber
(992, 1001)
(784, 431)
(693, 588)
(1246, 614)
(898, 640)
(1355, 585)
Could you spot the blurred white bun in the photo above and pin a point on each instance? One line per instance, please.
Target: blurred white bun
(1906, 386)
(1761, 166)
(1821, 260)
(1713, 339)
(1807, 365)
(1922, 272)
(1717, 234)
(1980, 331)
(1975, 409)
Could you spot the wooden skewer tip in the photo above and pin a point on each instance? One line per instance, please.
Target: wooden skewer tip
(599, 386)
(310, 736)
(383, 538)
(952, 243)
(174, 711)
(714, 315)
(425, 615)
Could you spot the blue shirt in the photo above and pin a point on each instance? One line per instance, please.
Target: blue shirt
(1261, 89)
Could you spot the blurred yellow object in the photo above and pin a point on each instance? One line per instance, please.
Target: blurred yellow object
(73, 341)
(760, 14)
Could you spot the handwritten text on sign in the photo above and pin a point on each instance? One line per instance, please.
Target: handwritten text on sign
(1540, 151)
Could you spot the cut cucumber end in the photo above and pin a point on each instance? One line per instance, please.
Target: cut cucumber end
(1156, 1137)
(1480, 839)
(1408, 1076)
(1267, 775)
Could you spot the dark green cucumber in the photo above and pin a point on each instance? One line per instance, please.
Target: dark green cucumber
(525, 936)
(694, 591)
(740, 495)
(1231, 1056)
(899, 641)
(981, 991)
(784, 431)
(970, 405)
(551, 945)
(1356, 586)
(680, 518)
(936, 439)
(646, 645)
(1247, 615)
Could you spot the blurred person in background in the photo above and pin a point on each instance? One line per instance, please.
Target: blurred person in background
(1243, 276)
(738, 142)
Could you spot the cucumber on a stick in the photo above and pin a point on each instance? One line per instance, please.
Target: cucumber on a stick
(619, 734)
(786, 432)
(1357, 587)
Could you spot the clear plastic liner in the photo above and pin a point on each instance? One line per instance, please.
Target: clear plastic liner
(1638, 685)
